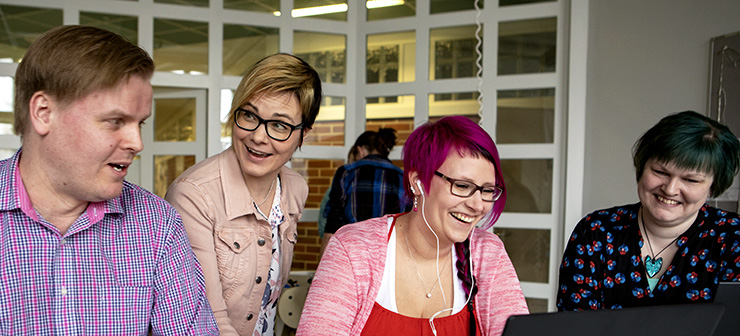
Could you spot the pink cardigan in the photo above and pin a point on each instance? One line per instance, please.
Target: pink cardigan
(347, 281)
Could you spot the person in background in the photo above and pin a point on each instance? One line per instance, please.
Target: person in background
(429, 270)
(241, 207)
(671, 247)
(82, 251)
(323, 208)
(367, 188)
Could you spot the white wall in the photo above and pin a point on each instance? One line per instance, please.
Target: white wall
(646, 59)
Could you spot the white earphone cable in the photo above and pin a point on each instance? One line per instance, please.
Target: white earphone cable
(472, 278)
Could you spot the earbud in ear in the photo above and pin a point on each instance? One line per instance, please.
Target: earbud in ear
(418, 183)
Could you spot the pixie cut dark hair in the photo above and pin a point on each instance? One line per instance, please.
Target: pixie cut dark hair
(690, 140)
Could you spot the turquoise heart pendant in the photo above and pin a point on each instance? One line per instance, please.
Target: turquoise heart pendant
(653, 266)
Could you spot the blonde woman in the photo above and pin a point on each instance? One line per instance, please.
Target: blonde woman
(240, 207)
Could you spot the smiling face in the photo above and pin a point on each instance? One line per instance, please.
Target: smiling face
(672, 196)
(453, 217)
(259, 155)
(89, 143)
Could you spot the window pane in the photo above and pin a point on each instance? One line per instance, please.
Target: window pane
(318, 174)
(528, 185)
(174, 119)
(227, 96)
(196, 3)
(527, 46)
(328, 130)
(529, 251)
(268, 6)
(390, 57)
(181, 46)
(167, 168)
(453, 52)
(126, 26)
(395, 112)
(6, 105)
(245, 45)
(444, 6)
(536, 305)
(320, 9)
(324, 52)
(388, 9)
(503, 3)
(525, 116)
(459, 103)
(21, 26)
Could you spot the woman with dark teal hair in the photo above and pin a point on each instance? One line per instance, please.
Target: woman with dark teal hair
(671, 247)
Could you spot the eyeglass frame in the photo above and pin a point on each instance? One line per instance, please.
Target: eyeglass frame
(261, 121)
(477, 187)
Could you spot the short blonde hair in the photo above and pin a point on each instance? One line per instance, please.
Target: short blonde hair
(279, 73)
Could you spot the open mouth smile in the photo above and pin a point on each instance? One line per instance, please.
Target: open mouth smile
(461, 217)
(666, 201)
(258, 153)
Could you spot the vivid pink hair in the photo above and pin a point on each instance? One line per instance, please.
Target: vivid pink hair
(428, 146)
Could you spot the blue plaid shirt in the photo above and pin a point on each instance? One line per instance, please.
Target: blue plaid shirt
(125, 267)
(368, 188)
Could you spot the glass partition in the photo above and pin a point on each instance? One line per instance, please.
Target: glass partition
(268, 6)
(126, 26)
(245, 45)
(528, 185)
(445, 6)
(525, 116)
(324, 52)
(391, 58)
(174, 119)
(21, 26)
(452, 53)
(395, 112)
(527, 46)
(529, 250)
(181, 47)
(167, 168)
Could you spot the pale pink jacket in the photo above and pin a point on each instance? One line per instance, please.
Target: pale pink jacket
(347, 281)
(233, 246)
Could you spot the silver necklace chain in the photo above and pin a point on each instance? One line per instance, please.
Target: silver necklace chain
(413, 262)
(268, 193)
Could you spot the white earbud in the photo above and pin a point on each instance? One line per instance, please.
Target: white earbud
(418, 183)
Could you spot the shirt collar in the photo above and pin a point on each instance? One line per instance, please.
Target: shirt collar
(95, 210)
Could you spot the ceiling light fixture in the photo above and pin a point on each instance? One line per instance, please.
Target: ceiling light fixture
(383, 3)
(338, 8)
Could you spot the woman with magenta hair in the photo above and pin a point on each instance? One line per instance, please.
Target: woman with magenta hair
(429, 271)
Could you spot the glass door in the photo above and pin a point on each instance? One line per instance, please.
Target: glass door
(174, 138)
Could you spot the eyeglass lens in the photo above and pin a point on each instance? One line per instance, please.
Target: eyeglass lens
(467, 189)
(275, 129)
